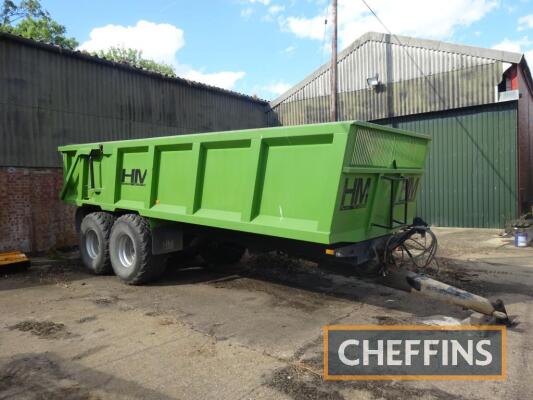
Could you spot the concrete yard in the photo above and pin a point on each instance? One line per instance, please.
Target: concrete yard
(251, 331)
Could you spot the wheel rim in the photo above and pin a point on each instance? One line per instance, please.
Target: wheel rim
(92, 244)
(126, 251)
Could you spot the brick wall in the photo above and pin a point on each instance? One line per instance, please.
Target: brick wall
(32, 218)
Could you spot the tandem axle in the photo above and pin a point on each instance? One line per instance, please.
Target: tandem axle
(136, 249)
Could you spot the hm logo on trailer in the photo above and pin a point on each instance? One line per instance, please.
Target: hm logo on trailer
(135, 177)
(355, 193)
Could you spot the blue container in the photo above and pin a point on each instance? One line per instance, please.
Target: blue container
(521, 239)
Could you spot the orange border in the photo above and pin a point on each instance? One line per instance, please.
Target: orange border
(501, 328)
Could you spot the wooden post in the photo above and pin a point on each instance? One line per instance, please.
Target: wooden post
(333, 67)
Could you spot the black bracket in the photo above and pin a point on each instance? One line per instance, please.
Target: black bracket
(392, 204)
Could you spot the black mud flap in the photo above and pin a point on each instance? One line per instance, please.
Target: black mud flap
(167, 238)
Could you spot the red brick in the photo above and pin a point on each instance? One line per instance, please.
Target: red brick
(32, 218)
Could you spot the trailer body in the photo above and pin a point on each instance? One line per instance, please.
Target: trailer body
(325, 183)
(345, 189)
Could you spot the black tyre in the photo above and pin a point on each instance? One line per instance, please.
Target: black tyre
(131, 251)
(94, 234)
(216, 253)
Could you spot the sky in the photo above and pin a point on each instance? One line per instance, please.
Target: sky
(263, 47)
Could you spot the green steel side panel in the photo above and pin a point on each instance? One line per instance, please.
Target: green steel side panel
(321, 183)
(470, 176)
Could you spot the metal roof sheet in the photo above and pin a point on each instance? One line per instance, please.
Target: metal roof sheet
(372, 52)
(93, 58)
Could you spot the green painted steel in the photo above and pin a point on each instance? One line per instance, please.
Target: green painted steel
(470, 176)
(324, 183)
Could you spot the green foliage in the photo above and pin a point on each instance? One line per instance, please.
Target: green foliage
(28, 19)
(134, 58)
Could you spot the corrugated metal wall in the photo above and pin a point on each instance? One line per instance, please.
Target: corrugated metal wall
(392, 63)
(416, 76)
(48, 99)
(459, 88)
(471, 172)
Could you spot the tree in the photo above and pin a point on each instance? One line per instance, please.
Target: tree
(28, 19)
(134, 58)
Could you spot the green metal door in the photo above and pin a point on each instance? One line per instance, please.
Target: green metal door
(470, 178)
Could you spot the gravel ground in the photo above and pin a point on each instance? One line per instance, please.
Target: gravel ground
(249, 331)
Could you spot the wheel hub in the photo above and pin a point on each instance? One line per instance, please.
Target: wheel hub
(92, 244)
(126, 251)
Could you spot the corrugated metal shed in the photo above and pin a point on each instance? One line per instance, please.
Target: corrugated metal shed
(457, 76)
(448, 91)
(51, 96)
(470, 178)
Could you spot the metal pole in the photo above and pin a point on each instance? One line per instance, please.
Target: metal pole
(425, 286)
(333, 67)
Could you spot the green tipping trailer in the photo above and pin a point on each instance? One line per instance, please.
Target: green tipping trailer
(341, 191)
(322, 189)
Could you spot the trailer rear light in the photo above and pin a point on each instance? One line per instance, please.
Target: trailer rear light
(330, 252)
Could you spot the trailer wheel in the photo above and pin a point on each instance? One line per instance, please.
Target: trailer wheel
(217, 253)
(131, 251)
(94, 234)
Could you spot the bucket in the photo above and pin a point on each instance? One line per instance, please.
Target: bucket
(520, 239)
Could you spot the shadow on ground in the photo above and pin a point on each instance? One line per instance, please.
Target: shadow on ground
(39, 376)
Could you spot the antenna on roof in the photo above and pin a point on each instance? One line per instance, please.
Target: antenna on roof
(333, 67)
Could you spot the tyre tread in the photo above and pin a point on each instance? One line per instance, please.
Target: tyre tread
(150, 266)
(105, 221)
